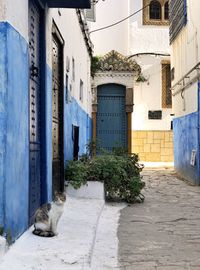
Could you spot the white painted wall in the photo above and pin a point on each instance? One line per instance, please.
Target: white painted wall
(114, 38)
(188, 104)
(148, 95)
(146, 38)
(16, 13)
(132, 37)
(74, 47)
(185, 54)
(2, 10)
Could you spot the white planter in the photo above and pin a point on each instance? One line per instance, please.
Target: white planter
(92, 190)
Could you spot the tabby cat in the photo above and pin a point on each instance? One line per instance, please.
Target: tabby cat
(48, 215)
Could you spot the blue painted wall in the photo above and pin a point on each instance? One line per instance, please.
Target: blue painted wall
(3, 115)
(185, 140)
(14, 132)
(75, 115)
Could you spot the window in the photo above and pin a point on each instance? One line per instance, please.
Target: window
(155, 10)
(167, 10)
(81, 91)
(75, 138)
(166, 85)
(73, 69)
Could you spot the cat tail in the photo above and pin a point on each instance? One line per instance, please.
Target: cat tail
(43, 233)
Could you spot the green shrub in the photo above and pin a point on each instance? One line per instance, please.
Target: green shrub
(119, 172)
(76, 173)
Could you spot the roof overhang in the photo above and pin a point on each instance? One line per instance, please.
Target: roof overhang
(67, 3)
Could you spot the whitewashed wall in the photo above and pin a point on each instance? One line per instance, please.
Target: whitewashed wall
(148, 95)
(185, 52)
(11, 11)
(146, 38)
(132, 37)
(75, 47)
(114, 38)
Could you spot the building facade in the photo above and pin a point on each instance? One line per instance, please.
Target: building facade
(143, 38)
(45, 107)
(185, 40)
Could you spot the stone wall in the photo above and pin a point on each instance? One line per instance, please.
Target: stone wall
(153, 146)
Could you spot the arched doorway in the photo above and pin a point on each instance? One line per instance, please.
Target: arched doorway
(111, 125)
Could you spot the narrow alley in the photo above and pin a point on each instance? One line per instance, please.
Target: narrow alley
(160, 234)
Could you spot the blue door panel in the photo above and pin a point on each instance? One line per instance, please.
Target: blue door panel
(111, 116)
(35, 108)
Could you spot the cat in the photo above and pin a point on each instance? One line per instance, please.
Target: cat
(48, 215)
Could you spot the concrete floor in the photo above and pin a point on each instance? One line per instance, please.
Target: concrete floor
(163, 233)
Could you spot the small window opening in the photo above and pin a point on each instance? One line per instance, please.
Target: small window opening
(73, 69)
(81, 91)
(167, 10)
(155, 10)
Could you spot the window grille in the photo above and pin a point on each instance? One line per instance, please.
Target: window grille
(166, 86)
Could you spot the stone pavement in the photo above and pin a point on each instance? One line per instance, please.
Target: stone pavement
(163, 233)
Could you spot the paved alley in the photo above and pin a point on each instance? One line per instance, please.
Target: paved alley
(163, 233)
(160, 234)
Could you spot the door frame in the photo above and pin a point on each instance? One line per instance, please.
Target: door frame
(56, 33)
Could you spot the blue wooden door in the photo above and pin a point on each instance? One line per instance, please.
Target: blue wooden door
(35, 108)
(111, 116)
